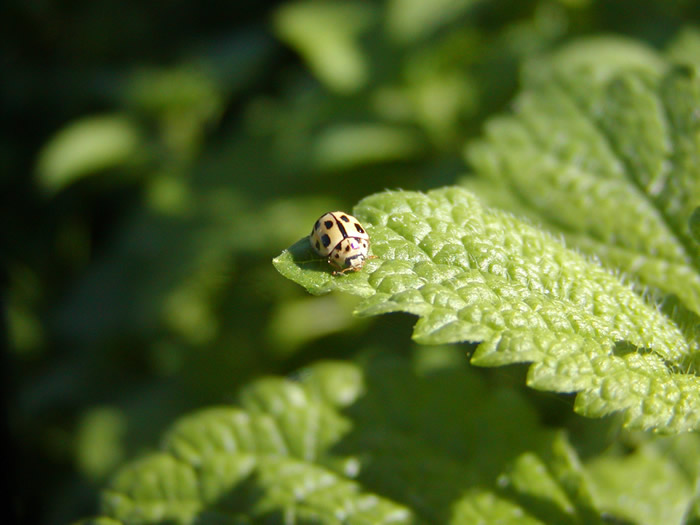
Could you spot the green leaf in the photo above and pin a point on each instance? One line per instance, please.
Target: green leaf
(530, 477)
(642, 487)
(100, 520)
(397, 453)
(154, 489)
(475, 274)
(594, 60)
(326, 35)
(86, 147)
(266, 459)
(99, 441)
(606, 155)
(316, 495)
(386, 447)
(694, 224)
(350, 146)
(487, 507)
(685, 47)
(409, 20)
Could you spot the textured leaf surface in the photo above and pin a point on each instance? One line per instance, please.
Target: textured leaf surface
(604, 149)
(391, 449)
(474, 274)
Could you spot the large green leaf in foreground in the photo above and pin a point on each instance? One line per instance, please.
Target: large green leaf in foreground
(475, 274)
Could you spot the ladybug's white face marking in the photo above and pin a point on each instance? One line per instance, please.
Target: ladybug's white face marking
(342, 239)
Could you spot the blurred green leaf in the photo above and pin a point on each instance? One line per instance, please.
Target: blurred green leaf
(409, 20)
(694, 224)
(482, 506)
(25, 333)
(530, 477)
(297, 322)
(326, 35)
(87, 147)
(183, 100)
(99, 443)
(262, 456)
(351, 146)
(155, 489)
(100, 520)
(390, 449)
(642, 487)
(593, 60)
(685, 47)
(187, 89)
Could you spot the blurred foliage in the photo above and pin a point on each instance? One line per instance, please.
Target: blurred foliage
(158, 155)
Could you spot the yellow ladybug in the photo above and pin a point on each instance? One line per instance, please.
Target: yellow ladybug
(342, 239)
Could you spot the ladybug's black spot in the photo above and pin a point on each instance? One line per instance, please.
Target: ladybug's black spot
(326, 240)
(328, 224)
(337, 255)
(347, 248)
(345, 218)
(359, 228)
(316, 226)
(342, 229)
(318, 245)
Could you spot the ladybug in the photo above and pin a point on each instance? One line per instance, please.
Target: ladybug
(342, 239)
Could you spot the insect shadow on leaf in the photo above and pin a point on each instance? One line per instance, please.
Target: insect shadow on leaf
(304, 256)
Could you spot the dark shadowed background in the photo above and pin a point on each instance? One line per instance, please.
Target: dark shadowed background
(157, 155)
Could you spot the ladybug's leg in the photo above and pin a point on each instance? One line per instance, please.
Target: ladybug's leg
(348, 269)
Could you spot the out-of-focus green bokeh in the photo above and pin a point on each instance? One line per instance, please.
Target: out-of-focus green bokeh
(157, 156)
